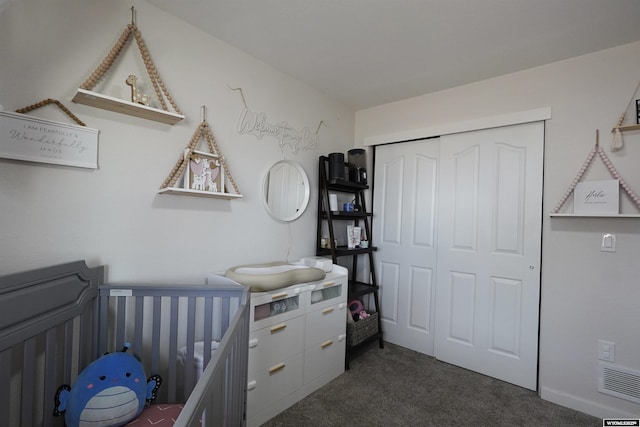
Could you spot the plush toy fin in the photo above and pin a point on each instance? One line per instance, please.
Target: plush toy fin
(61, 400)
(153, 384)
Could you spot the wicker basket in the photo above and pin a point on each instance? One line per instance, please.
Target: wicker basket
(359, 331)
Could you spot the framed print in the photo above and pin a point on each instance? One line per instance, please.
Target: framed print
(32, 139)
(597, 197)
(204, 173)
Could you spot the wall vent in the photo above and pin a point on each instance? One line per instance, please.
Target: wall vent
(619, 381)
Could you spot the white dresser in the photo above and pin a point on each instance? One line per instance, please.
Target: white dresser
(296, 343)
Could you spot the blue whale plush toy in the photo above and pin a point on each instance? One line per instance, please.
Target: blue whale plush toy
(111, 391)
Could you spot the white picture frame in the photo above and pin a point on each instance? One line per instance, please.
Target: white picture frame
(597, 197)
(32, 139)
(209, 178)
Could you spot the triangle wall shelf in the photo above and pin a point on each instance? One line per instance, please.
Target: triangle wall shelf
(139, 104)
(198, 193)
(199, 173)
(105, 102)
(597, 151)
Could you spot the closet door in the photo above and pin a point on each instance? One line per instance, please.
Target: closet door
(489, 232)
(404, 200)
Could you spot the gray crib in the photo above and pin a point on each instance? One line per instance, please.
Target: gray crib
(54, 321)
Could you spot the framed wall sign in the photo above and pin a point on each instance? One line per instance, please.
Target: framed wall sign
(597, 197)
(33, 139)
(204, 173)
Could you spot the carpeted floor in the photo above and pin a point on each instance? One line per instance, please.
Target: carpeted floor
(399, 387)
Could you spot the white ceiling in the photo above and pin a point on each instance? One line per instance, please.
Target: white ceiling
(370, 52)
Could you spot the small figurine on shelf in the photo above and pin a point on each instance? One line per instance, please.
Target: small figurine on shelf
(136, 96)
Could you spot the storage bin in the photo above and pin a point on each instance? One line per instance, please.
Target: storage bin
(359, 331)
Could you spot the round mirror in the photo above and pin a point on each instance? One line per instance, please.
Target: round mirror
(286, 190)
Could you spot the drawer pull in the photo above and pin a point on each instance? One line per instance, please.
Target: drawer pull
(326, 285)
(279, 296)
(327, 310)
(326, 344)
(276, 368)
(278, 328)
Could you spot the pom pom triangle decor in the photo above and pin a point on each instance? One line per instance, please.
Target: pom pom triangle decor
(139, 104)
(597, 150)
(199, 173)
(617, 142)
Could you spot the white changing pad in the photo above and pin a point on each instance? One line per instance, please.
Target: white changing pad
(275, 275)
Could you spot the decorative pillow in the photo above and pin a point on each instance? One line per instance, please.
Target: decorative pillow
(111, 391)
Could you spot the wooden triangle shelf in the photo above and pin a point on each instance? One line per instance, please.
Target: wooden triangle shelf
(597, 150)
(139, 104)
(199, 193)
(208, 182)
(624, 128)
(105, 102)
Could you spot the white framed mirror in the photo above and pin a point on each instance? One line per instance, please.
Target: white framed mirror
(285, 190)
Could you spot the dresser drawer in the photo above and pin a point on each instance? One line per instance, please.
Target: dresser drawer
(326, 357)
(273, 382)
(324, 323)
(327, 293)
(274, 307)
(276, 342)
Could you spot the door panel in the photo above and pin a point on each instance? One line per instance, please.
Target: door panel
(404, 231)
(488, 287)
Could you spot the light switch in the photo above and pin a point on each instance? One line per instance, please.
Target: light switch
(608, 242)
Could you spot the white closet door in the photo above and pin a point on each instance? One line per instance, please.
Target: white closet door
(404, 200)
(489, 232)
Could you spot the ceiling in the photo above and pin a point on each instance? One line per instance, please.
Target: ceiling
(370, 52)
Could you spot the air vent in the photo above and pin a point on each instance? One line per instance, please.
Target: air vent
(619, 381)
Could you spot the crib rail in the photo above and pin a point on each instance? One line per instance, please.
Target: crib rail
(226, 375)
(158, 320)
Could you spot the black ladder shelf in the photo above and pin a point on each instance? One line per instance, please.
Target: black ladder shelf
(362, 218)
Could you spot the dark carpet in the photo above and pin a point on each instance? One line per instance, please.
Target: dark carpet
(395, 386)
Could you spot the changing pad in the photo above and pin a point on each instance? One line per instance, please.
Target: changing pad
(275, 275)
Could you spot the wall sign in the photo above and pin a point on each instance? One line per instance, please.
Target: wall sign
(255, 123)
(33, 139)
(597, 197)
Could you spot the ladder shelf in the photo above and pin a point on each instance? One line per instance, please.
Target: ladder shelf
(357, 289)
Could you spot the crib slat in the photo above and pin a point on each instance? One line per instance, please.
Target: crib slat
(51, 376)
(121, 306)
(28, 379)
(189, 379)
(225, 314)
(207, 333)
(103, 317)
(155, 334)
(68, 345)
(5, 383)
(137, 326)
(173, 350)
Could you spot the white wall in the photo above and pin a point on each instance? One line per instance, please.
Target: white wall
(114, 216)
(586, 294)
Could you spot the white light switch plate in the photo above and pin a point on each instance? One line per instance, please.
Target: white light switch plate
(608, 243)
(606, 350)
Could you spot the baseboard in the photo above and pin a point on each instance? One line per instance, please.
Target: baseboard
(587, 406)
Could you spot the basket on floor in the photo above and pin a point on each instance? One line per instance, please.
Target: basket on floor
(359, 331)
